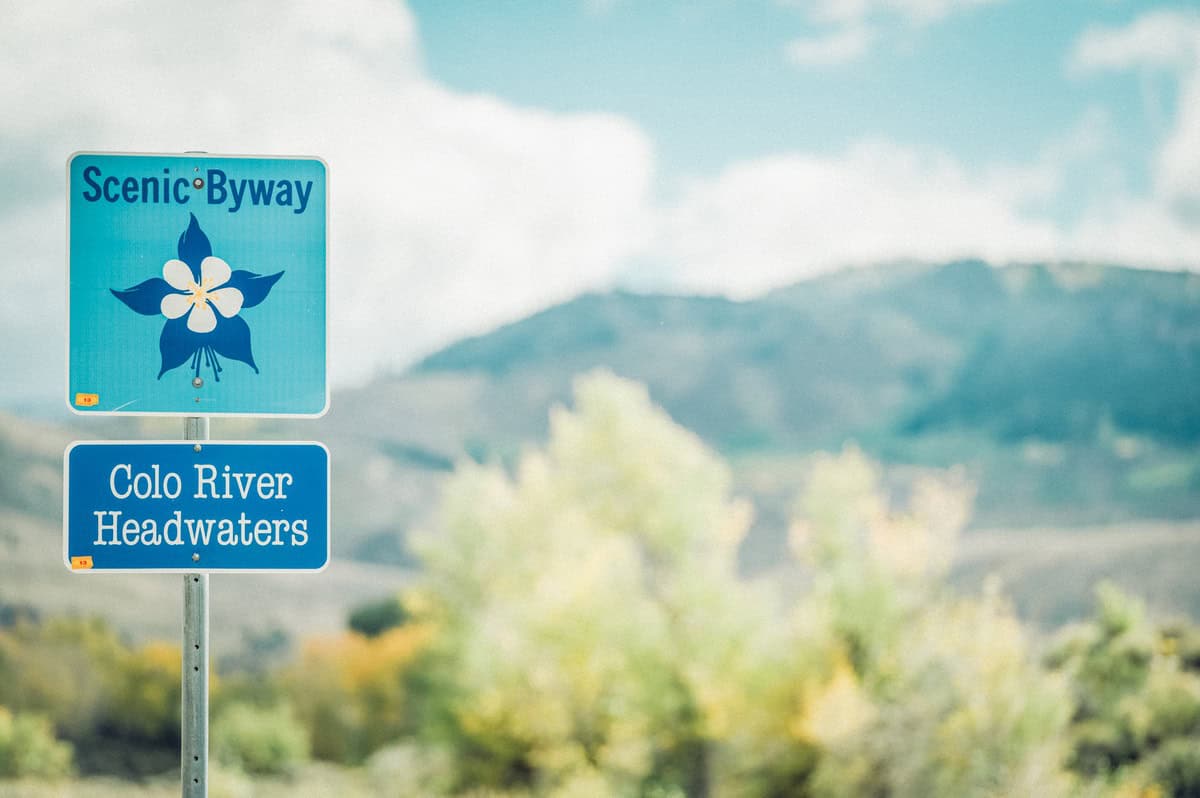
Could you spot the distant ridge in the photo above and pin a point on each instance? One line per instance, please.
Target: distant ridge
(1053, 351)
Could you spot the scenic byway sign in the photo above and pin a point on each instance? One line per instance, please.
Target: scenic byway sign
(196, 285)
(167, 506)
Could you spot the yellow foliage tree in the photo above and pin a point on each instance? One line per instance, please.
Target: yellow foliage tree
(941, 697)
(348, 690)
(593, 629)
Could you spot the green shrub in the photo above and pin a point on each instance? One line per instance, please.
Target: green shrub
(1171, 705)
(1176, 767)
(409, 770)
(376, 617)
(28, 748)
(260, 741)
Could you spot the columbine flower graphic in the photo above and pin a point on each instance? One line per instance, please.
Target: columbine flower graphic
(201, 298)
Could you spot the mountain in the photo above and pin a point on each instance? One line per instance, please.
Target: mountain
(1068, 390)
(1071, 392)
(1071, 388)
(1048, 352)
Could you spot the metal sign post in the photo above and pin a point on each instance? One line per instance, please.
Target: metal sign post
(194, 710)
(195, 507)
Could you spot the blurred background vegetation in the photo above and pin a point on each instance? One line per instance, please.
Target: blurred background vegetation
(581, 620)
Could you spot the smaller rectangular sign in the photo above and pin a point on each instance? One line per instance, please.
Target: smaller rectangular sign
(195, 506)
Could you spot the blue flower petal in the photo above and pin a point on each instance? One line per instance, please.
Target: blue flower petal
(194, 246)
(145, 298)
(232, 339)
(176, 344)
(254, 287)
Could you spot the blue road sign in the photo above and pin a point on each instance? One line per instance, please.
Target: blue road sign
(168, 506)
(196, 285)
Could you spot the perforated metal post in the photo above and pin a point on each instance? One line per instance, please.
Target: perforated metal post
(194, 715)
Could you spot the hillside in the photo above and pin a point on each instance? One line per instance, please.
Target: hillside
(1051, 352)
(1070, 390)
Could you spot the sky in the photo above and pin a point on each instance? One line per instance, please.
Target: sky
(488, 159)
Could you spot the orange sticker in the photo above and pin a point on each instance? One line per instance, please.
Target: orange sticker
(81, 563)
(87, 399)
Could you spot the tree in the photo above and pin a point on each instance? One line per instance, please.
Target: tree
(593, 635)
(591, 626)
(265, 741)
(28, 748)
(1137, 695)
(349, 691)
(936, 696)
(376, 617)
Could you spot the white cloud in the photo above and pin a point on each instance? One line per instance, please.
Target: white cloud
(1085, 146)
(851, 27)
(1177, 167)
(769, 221)
(798, 214)
(449, 212)
(765, 222)
(600, 7)
(854, 12)
(1162, 40)
(836, 47)
(1135, 231)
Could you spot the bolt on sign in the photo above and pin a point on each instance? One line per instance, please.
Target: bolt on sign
(196, 285)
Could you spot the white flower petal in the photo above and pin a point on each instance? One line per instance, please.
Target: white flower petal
(175, 305)
(178, 275)
(214, 272)
(202, 319)
(227, 300)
